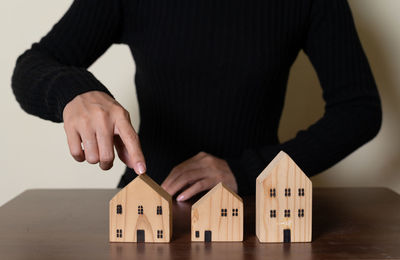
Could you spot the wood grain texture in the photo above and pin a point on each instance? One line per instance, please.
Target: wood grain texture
(141, 210)
(283, 202)
(348, 223)
(219, 212)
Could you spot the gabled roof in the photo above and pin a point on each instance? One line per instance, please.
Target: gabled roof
(213, 191)
(281, 157)
(152, 184)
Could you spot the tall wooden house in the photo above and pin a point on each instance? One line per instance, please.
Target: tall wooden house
(283, 202)
(218, 216)
(141, 212)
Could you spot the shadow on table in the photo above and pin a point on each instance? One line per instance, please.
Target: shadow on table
(134, 250)
(210, 251)
(329, 213)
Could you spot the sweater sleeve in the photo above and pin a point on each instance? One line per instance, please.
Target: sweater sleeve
(352, 105)
(54, 71)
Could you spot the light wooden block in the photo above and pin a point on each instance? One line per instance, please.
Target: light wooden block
(141, 212)
(218, 216)
(281, 175)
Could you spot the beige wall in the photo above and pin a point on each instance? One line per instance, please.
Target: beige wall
(34, 152)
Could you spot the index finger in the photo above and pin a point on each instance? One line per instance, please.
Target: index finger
(131, 141)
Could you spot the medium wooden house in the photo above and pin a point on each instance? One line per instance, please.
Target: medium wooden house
(141, 212)
(218, 216)
(283, 202)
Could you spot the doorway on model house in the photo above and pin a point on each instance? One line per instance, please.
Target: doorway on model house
(286, 235)
(140, 235)
(207, 236)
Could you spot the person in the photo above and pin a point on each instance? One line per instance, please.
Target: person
(211, 79)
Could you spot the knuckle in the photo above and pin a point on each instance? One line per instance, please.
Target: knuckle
(66, 126)
(201, 154)
(219, 177)
(126, 114)
(101, 114)
(107, 158)
(69, 130)
(105, 166)
(75, 153)
(84, 117)
(134, 136)
(190, 177)
(175, 170)
(92, 159)
(208, 160)
(122, 112)
(187, 178)
(67, 115)
(201, 185)
(84, 121)
(104, 131)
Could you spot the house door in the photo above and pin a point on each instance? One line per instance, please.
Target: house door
(207, 236)
(140, 235)
(286, 235)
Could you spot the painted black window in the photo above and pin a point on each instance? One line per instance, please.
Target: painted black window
(140, 210)
(272, 213)
(272, 192)
(287, 192)
(235, 212)
(287, 213)
(301, 213)
(301, 192)
(224, 212)
(160, 234)
(159, 210)
(197, 234)
(119, 209)
(119, 233)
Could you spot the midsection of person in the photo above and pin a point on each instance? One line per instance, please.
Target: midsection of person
(210, 78)
(217, 81)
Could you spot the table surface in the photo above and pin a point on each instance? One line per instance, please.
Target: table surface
(348, 223)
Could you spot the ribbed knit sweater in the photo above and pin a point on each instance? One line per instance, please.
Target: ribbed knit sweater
(211, 76)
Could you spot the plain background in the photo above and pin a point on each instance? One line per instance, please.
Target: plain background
(34, 152)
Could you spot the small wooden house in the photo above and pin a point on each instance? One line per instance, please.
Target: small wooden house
(218, 216)
(141, 212)
(283, 202)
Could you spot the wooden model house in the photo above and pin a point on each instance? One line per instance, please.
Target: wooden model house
(283, 202)
(218, 216)
(141, 212)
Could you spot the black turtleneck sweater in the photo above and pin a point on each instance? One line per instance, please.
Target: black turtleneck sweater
(211, 76)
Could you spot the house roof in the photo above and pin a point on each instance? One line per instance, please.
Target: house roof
(152, 184)
(282, 156)
(213, 191)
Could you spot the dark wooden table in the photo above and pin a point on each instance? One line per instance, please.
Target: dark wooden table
(348, 223)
